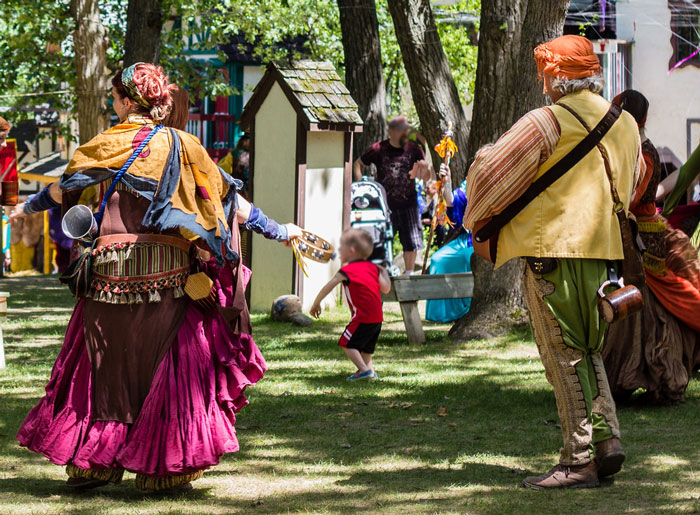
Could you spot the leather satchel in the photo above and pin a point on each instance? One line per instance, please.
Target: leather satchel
(486, 231)
(78, 274)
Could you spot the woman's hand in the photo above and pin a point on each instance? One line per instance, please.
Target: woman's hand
(17, 212)
(293, 231)
(446, 179)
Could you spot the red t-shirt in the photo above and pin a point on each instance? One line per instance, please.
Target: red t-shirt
(361, 288)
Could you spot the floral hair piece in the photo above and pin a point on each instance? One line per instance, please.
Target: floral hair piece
(128, 82)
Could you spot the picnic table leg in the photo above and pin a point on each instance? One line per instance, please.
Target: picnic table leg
(412, 322)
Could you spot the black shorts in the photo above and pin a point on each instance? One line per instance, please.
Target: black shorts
(361, 337)
(407, 221)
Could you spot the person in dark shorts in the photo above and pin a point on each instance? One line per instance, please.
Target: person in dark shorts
(399, 161)
(362, 282)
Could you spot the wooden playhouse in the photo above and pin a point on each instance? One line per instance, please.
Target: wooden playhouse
(301, 119)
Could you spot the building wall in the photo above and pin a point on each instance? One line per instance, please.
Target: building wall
(323, 211)
(251, 76)
(672, 96)
(274, 177)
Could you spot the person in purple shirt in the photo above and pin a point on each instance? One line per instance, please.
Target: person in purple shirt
(399, 162)
(63, 242)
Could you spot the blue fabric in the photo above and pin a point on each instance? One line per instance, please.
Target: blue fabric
(459, 205)
(38, 202)
(453, 258)
(6, 235)
(161, 214)
(421, 200)
(84, 179)
(260, 223)
(455, 213)
(120, 173)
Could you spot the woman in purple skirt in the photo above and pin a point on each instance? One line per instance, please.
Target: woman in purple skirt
(148, 380)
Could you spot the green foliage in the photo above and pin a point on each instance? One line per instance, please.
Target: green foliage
(28, 27)
(274, 29)
(268, 24)
(37, 57)
(457, 41)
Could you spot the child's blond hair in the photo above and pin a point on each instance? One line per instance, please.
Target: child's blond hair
(361, 241)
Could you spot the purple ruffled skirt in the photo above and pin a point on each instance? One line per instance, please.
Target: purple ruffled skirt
(186, 422)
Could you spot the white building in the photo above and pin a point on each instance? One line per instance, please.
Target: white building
(647, 45)
(661, 35)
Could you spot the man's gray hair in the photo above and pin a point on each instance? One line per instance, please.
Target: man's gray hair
(563, 86)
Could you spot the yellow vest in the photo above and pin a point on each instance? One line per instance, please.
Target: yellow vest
(574, 217)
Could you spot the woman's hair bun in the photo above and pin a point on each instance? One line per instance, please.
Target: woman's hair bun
(153, 85)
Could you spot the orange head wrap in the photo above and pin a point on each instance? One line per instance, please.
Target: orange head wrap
(571, 57)
(4, 125)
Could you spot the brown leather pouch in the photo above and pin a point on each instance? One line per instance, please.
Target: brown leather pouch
(542, 265)
(485, 249)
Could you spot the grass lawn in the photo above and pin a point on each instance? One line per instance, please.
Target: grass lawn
(447, 428)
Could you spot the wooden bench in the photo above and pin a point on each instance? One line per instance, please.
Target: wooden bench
(408, 290)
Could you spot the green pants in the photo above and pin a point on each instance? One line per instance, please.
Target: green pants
(569, 334)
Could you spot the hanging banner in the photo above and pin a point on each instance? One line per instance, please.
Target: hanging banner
(8, 174)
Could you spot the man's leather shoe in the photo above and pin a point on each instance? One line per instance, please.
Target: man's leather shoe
(561, 476)
(609, 457)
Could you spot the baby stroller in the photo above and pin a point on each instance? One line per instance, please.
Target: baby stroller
(371, 213)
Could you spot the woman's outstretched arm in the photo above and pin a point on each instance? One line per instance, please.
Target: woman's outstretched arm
(254, 219)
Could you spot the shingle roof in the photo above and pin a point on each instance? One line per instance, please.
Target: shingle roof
(320, 91)
(317, 89)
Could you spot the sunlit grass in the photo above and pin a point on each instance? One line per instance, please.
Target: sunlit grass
(447, 428)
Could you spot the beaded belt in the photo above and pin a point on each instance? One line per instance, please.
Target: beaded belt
(128, 267)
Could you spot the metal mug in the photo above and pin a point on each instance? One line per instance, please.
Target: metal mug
(80, 224)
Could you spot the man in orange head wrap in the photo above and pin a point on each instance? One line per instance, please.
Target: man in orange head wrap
(570, 231)
(571, 57)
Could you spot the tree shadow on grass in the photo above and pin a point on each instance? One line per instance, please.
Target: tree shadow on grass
(400, 443)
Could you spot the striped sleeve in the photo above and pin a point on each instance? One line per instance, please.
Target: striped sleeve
(503, 171)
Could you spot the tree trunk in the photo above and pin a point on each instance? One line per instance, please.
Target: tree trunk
(144, 23)
(506, 88)
(363, 68)
(432, 86)
(91, 69)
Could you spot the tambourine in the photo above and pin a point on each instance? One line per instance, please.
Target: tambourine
(313, 247)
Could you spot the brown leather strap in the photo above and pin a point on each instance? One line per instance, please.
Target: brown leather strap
(173, 241)
(566, 163)
(633, 270)
(603, 152)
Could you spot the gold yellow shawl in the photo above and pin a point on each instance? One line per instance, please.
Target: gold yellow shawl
(186, 188)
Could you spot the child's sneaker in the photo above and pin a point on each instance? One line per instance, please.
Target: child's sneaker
(369, 374)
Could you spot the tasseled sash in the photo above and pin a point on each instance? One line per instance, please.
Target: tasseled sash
(131, 268)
